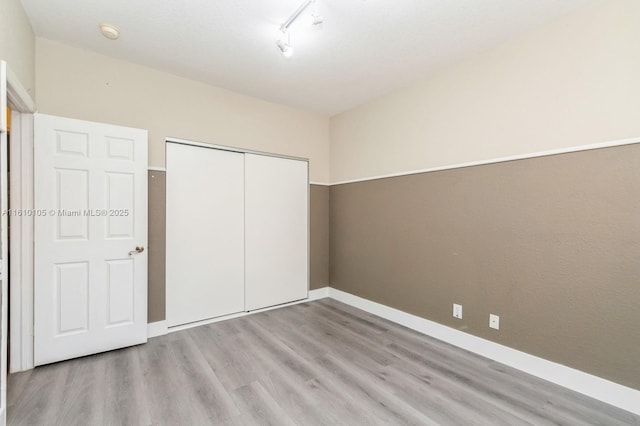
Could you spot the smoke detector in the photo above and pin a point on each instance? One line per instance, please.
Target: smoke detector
(110, 31)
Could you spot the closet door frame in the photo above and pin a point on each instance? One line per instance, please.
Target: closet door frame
(234, 149)
(254, 152)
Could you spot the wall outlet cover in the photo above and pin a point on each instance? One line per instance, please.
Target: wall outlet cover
(457, 311)
(494, 321)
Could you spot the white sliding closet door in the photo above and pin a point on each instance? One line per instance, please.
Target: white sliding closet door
(276, 230)
(205, 233)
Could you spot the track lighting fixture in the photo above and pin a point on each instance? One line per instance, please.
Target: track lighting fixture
(317, 20)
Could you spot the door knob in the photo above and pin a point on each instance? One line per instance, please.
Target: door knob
(139, 249)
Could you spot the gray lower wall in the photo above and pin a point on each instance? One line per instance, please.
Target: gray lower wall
(156, 258)
(319, 237)
(550, 244)
(319, 242)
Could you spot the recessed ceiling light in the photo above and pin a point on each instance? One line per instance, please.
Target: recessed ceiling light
(110, 31)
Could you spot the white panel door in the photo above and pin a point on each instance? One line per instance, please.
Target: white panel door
(205, 233)
(90, 215)
(276, 227)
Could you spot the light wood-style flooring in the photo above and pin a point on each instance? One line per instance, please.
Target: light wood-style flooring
(317, 363)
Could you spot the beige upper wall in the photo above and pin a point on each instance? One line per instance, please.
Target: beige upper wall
(77, 83)
(17, 43)
(573, 82)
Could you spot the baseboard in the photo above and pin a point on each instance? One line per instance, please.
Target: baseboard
(158, 328)
(596, 387)
(319, 293)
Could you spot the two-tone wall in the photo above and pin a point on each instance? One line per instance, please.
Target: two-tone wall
(319, 241)
(548, 243)
(80, 84)
(551, 244)
(571, 82)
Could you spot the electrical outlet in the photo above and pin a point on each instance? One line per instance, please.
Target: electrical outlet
(457, 311)
(494, 321)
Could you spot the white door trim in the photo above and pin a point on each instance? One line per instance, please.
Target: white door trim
(21, 243)
(21, 238)
(17, 96)
(13, 94)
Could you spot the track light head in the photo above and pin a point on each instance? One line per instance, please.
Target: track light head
(317, 20)
(285, 48)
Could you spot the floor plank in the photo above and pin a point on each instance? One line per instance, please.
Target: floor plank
(125, 389)
(316, 363)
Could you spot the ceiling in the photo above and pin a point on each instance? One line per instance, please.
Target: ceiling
(365, 48)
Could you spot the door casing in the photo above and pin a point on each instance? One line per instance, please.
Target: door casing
(14, 95)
